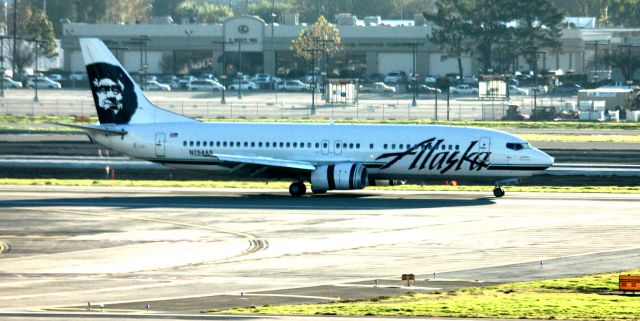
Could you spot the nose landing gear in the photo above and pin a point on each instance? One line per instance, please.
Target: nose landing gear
(498, 191)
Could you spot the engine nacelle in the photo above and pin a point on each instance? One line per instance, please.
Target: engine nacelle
(386, 182)
(339, 176)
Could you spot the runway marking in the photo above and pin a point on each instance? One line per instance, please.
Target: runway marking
(4, 248)
(255, 244)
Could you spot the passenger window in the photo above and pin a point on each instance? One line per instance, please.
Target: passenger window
(184, 143)
(351, 146)
(288, 145)
(198, 143)
(224, 144)
(457, 147)
(450, 147)
(204, 144)
(317, 145)
(385, 146)
(217, 144)
(393, 146)
(401, 146)
(301, 144)
(266, 144)
(211, 144)
(357, 146)
(344, 145)
(308, 145)
(231, 144)
(281, 144)
(370, 146)
(294, 144)
(246, 144)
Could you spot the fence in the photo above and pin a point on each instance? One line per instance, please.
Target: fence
(461, 109)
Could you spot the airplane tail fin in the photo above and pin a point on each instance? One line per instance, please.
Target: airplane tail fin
(118, 99)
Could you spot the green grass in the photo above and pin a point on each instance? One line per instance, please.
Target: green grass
(285, 185)
(577, 298)
(7, 120)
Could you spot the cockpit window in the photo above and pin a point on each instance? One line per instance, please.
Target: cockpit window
(517, 146)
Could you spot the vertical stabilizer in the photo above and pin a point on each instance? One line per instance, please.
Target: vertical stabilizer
(118, 99)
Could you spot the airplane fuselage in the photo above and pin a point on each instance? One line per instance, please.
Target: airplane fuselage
(388, 151)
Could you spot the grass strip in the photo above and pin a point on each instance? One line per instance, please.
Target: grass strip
(577, 298)
(285, 185)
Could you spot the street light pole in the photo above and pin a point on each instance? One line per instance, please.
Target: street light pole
(224, 70)
(240, 70)
(2, 65)
(188, 32)
(413, 74)
(36, 83)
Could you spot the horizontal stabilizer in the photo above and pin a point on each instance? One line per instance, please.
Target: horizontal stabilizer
(97, 129)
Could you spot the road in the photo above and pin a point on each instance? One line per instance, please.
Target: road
(187, 250)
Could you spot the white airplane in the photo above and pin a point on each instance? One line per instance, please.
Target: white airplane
(329, 156)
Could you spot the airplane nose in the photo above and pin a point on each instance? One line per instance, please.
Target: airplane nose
(544, 159)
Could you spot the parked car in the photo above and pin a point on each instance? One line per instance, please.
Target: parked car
(244, 85)
(424, 89)
(393, 78)
(155, 85)
(43, 83)
(464, 89)
(10, 83)
(377, 87)
(55, 77)
(567, 89)
(205, 85)
(170, 80)
(78, 76)
(184, 81)
(430, 79)
(513, 90)
(295, 85)
(261, 78)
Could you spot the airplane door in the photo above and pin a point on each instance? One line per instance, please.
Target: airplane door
(325, 147)
(484, 144)
(160, 142)
(338, 147)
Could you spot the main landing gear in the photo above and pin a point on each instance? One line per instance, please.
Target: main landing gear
(297, 189)
(498, 191)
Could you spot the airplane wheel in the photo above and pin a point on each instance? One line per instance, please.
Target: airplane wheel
(498, 192)
(297, 189)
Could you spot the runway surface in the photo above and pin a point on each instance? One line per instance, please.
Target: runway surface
(186, 250)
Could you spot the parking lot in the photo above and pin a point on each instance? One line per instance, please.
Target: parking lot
(281, 105)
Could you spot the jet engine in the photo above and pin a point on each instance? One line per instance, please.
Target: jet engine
(339, 176)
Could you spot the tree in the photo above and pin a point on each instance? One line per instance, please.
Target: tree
(203, 12)
(624, 13)
(539, 26)
(321, 36)
(489, 19)
(264, 9)
(452, 28)
(624, 58)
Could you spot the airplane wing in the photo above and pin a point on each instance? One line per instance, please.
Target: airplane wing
(97, 129)
(266, 161)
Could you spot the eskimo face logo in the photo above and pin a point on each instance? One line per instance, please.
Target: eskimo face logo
(109, 94)
(243, 29)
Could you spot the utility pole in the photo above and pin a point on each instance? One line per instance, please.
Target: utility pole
(596, 45)
(314, 82)
(240, 70)
(224, 69)
(414, 47)
(189, 32)
(15, 38)
(2, 38)
(629, 71)
(36, 82)
(535, 76)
